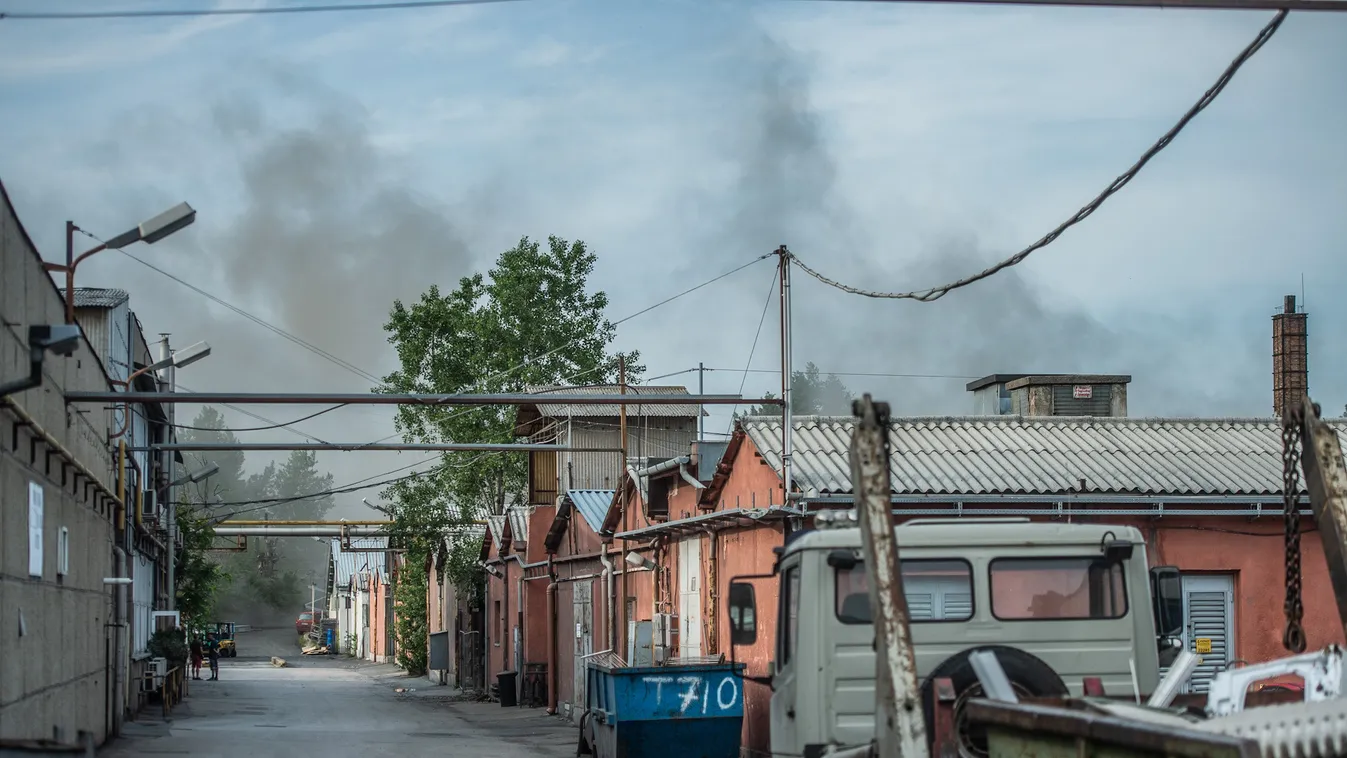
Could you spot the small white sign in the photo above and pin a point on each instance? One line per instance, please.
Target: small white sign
(1082, 392)
(35, 512)
(578, 633)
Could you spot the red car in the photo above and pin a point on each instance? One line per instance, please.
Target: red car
(304, 623)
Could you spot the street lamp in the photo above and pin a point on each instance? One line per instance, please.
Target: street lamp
(184, 357)
(638, 561)
(149, 232)
(197, 476)
(61, 339)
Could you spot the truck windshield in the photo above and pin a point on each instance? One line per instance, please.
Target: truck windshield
(1057, 588)
(936, 590)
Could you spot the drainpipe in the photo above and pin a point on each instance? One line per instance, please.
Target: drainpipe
(119, 670)
(608, 591)
(551, 639)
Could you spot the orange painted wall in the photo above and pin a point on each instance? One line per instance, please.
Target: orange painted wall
(752, 484)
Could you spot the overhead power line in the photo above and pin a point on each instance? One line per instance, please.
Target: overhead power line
(935, 293)
(274, 425)
(193, 12)
(761, 320)
(255, 319)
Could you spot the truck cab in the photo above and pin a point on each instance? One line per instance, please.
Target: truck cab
(1056, 602)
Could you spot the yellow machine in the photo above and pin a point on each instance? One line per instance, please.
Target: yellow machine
(224, 632)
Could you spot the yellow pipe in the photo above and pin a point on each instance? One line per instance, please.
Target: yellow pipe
(324, 523)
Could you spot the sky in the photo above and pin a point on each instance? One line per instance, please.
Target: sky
(340, 161)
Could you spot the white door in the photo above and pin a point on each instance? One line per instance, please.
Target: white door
(1209, 628)
(690, 597)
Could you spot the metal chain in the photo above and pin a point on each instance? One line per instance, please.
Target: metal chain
(935, 293)
(1294, 639)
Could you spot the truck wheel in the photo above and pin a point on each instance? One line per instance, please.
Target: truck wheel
(1028, 675)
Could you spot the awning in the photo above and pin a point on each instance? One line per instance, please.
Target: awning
(734, 517)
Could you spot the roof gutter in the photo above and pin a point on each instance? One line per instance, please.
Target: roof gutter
(680, 464)
(1144, 500)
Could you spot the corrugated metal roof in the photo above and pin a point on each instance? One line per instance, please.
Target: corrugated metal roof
(519, 522)
(349, 562)
(1019, 455)
(99, 297)
(634, 409)
(592, 504)
(496, 526)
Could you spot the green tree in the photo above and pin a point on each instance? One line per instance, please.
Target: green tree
(199, 578)
(529, 321)
(811, 393)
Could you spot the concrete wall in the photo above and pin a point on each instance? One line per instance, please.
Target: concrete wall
(54, 678)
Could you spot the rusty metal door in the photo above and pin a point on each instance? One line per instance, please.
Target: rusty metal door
(583, 604)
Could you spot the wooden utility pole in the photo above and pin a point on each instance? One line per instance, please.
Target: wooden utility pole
(900, 728)
(622, 487)
(1326, 483)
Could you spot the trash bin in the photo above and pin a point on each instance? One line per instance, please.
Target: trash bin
(659, 711)
(505, 684)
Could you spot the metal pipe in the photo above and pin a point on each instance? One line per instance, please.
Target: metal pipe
(349, 447)
(551, 640)
(623, 502)
(300, 531)
(516, 398)
(313, 523)
(683, 472)
(119, 671)
(608, 591)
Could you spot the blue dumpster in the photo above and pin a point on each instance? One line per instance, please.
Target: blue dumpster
(689, 711)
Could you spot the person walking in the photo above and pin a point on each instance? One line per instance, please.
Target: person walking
(213, 653)
(197, 655)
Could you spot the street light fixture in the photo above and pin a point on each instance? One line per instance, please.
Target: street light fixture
(61, 339)
(636, 560)
(179, 358)
(197, 476)
(149, 232)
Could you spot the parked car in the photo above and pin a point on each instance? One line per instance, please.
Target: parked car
(304, 623)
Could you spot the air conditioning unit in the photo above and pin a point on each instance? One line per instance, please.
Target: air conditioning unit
(149, 506)
(664, 634)
(159, 670)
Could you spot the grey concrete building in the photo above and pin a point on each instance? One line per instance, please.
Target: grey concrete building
(74, 649)
(56, 519)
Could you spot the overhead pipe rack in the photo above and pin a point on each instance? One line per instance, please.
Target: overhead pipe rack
(515, 398)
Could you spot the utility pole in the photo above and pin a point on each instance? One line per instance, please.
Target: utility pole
(701, 390)
(787, 482)
(900, 728)
(168, 509)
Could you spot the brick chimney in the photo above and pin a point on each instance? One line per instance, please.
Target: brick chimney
(1290, 357)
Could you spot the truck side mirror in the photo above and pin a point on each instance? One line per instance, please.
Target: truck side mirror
(743, 614)
(1167, 591)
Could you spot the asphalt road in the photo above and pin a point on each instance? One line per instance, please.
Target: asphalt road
(334, 707)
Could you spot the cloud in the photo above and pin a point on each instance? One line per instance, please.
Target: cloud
(894, 148)
(129, 46)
